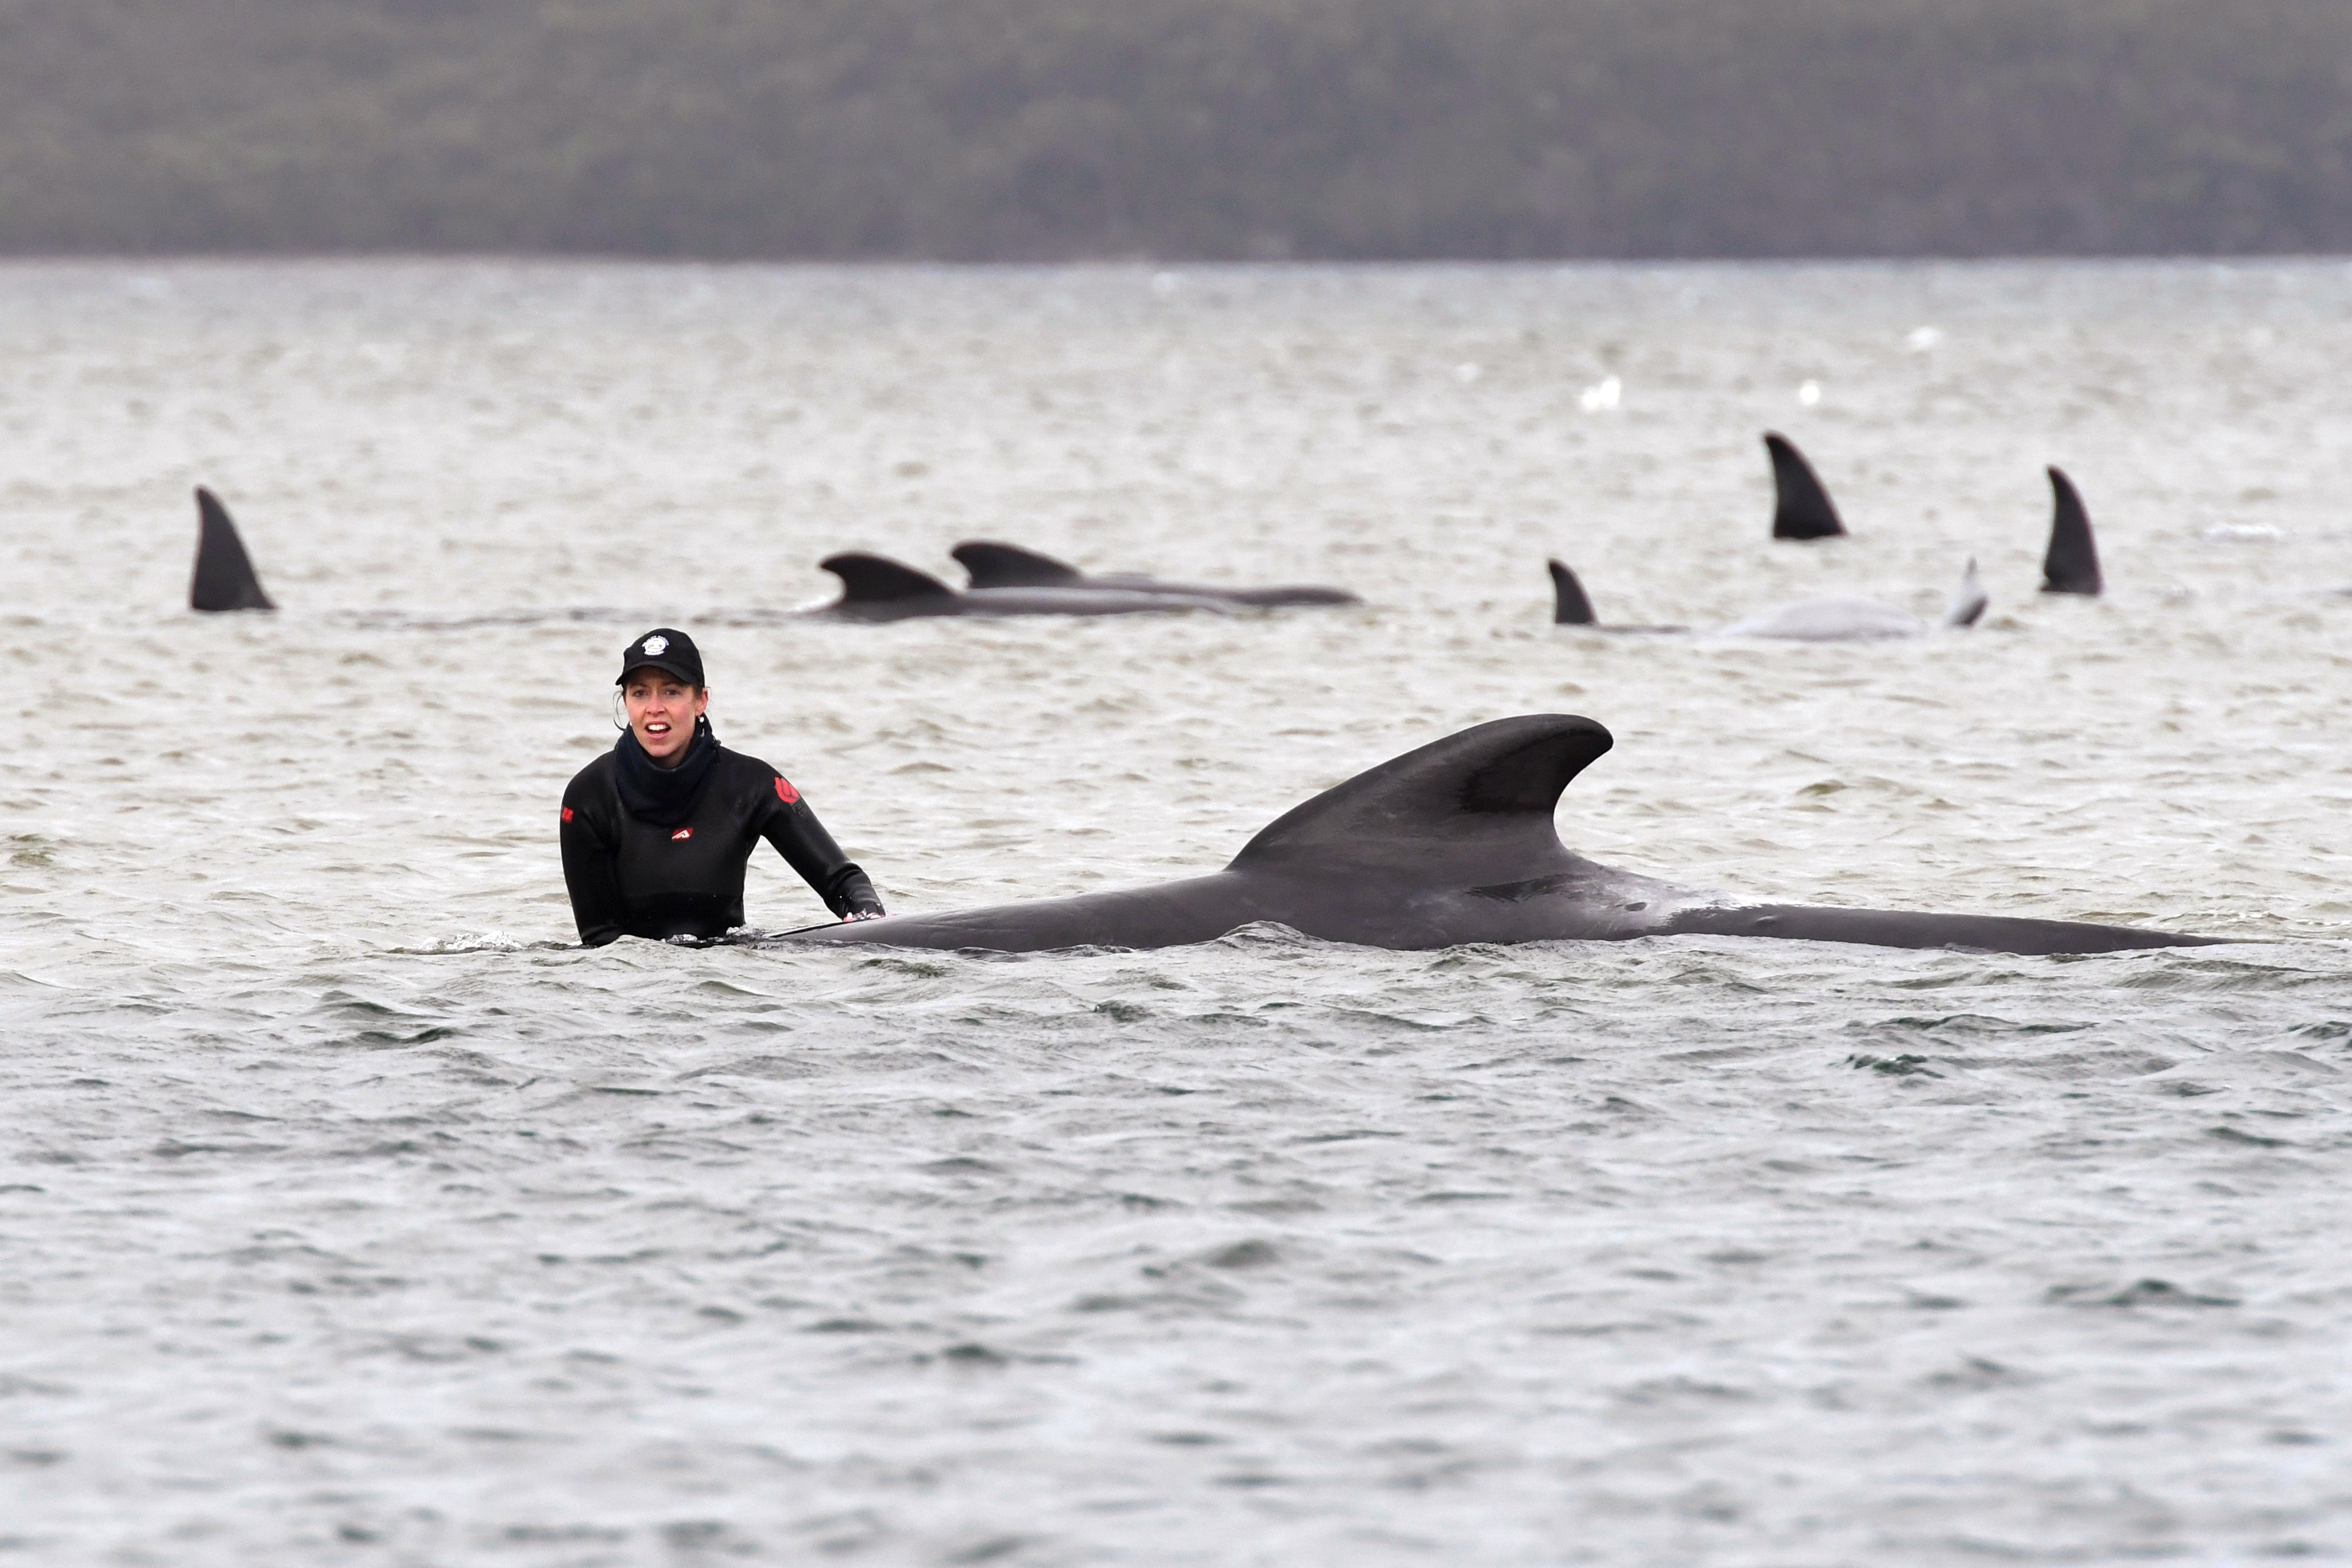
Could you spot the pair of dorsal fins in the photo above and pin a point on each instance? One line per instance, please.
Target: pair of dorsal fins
(867, 578)
(1802, 509)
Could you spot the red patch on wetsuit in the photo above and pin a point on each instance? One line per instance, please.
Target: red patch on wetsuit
(567, 813)
(785, 792)
(682, 834)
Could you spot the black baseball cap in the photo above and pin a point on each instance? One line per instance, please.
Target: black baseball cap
(664, 648)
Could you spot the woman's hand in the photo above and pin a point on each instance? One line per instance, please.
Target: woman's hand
(863, 915)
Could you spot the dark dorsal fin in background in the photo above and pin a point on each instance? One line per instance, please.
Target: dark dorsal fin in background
(874, 580)
(225, 577)
(994, 565)
(2071, 565)
(1473, 808)
(1569, 607)
(1801, 507)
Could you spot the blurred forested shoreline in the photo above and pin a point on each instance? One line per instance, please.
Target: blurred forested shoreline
(1020, 130)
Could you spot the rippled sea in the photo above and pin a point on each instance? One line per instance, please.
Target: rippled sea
(349, 1215)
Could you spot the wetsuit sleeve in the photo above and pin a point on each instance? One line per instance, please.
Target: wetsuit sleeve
(801, 839)
(589, 876)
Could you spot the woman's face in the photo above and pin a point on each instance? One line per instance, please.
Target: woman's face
(662, 711)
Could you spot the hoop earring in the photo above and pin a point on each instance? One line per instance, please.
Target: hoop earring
(620, 714)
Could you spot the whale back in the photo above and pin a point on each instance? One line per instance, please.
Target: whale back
(1474, 808)
(1836, 619)
(224, 578)
(994, 565)
(1449, 844)
(877, 580)
(2072, 563)
(1800, 506)
(1569, 607)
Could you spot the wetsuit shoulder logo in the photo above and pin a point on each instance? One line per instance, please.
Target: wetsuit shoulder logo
(785, 792)
(656, 644)
(567, 813)
(681, 835)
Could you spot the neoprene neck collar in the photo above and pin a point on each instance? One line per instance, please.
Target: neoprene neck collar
(664, 795)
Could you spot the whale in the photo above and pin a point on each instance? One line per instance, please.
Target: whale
(1453, 843)
(1572, 606)
(225, 579)
(992, 565)
(1823, 620)
(876, 588)
(1800, 506)
(2071, 565)
(1848, 620)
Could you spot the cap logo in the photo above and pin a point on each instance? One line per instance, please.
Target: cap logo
(656, 644)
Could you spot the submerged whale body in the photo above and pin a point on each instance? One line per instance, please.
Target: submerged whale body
(992, 565)
(1571, 606)
(1806, 621)
(1800, 506)
(1452, 844)
(224, 578)
(876, 588)
(2071, 565)
(1839, 620)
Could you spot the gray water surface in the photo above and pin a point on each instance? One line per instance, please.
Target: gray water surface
(350, 1215)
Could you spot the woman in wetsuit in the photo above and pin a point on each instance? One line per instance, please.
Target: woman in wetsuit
(656, 830)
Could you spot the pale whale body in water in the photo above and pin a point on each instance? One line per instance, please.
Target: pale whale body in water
(1845, 620)
(992, 564)
(1828, 619)
(1452, 844)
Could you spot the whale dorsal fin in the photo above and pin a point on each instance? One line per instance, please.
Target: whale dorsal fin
(1969, 599)
(1474, 809)
(876, 579)
(1801, 507)
(1569, 607)
(994, 565)
(2072, 564)
(224, 578)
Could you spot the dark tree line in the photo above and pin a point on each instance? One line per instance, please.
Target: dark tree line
(1048, 129)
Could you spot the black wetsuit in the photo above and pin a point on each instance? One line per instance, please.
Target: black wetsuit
(651, 852)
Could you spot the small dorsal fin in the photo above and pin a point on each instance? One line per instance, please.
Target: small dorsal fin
(1569, 607)
(875, 579)
(1969, 599)
(2072, 563)
(224, 578)
(994, 565)
(1800, 506)
(1474, 807)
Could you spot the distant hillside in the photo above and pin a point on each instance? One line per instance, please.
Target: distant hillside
(1049, 129)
